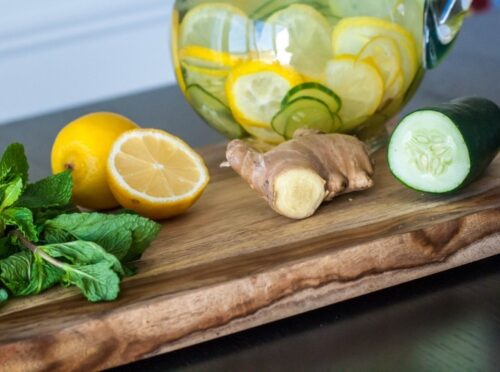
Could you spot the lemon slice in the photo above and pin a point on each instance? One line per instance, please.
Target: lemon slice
(351, 35)
(384, 53)
(360, 87)
(393, 91)
(208, 69)
(155, 173)
(217, 26)
(298, 36)
(255, 90)
(195, 56)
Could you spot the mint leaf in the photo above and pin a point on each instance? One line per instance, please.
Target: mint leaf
(22, 218)
(25, 274)
(43, 214)
(82, 253)
(124, 235)
(14, 163)
(4, 296)
(11, 192)
(53, 191)
(97, 282)
(7, 247)
(89, 267)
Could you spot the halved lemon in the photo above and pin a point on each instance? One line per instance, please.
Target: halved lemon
(351, 35)
(217, 26)
(359, 85)
(255, 90)
(155, 173)
(298, 36)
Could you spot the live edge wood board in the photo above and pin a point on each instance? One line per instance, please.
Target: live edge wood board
(231, 264)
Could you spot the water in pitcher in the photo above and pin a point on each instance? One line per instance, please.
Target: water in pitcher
(265, 69)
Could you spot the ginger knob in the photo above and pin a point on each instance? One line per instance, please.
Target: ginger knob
(298, 175)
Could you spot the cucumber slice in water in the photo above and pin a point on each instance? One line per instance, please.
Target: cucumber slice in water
(442, 149)
(305, 112)
(214, 85)
(314, 90)
(215, 113)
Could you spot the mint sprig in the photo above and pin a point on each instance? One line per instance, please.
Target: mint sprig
(45, 240)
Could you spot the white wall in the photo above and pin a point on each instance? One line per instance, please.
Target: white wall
(61, 53)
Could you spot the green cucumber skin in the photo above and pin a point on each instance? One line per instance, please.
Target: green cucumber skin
(291, 95)
(478, 120)
(284, 110)
(233, 130)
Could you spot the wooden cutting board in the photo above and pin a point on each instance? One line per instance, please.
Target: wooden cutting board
(231, 264)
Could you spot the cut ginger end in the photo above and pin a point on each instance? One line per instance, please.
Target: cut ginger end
(299, 193)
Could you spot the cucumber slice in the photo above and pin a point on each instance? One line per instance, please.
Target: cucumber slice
(215, 113)
(442, 149)
(314, 90)
(304, 112)
(213, 84)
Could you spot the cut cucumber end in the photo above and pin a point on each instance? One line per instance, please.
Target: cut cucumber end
(428, 153)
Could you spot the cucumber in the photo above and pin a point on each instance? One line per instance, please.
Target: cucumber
(304, 112)
(314, 90)
(442, 149)
(214, 112)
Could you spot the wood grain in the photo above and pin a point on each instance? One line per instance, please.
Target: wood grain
(231, 264)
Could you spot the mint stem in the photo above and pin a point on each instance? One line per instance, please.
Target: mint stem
(36, 250)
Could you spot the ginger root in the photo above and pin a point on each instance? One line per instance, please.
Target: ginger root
(297, 176)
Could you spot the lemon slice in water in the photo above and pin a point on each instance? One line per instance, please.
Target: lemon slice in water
(353, 34)
(360, 87)
(255, 91)
(299, 36)
(218, 26)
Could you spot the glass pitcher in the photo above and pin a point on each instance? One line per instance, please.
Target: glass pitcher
(264, 68)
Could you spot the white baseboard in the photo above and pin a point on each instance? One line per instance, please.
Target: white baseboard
(56, 54)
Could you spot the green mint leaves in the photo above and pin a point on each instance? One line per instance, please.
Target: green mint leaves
(45, 240)
(53, 191)
(13, 164)
(22, 219)
(124, 235)
(89, 267)
(25, 273)
(11, 192)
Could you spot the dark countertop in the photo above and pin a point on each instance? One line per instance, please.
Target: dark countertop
(449, 321)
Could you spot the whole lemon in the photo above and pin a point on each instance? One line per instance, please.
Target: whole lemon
(83, 147)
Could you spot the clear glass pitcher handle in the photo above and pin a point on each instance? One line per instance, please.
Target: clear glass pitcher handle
(442, 22)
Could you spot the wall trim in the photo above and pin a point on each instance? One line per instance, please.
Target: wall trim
(42, 23)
